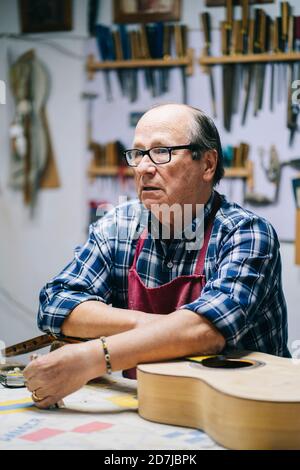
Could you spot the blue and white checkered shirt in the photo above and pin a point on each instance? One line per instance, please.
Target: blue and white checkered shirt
(242, 296)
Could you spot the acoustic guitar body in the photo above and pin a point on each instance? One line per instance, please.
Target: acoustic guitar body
(254, 405)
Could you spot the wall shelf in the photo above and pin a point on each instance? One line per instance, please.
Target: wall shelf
(244, 172)
(95, 171)
(93, 66)
(250, 58)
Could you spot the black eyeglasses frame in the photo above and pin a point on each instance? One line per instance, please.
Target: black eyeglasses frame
(191, 147)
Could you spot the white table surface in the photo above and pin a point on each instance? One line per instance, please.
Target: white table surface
(99, 416)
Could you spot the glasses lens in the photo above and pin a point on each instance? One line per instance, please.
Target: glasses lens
(160, 154)
(133, 157)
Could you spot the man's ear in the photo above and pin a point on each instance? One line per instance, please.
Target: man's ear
(210, 159)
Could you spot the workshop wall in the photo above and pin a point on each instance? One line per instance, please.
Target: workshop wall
(260, 133)
(34, 249)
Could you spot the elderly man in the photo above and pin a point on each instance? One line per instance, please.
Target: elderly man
(147, 297)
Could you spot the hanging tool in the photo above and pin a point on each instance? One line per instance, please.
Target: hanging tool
(167, 32)
(228, 69)
(295, 105)
(93, 10)
(159, 54)
(119, 56)
(273, 33)
(184, 50)
(180, 49)
(248, 73)
(245, 25)
(259, 47)
(106, 52)
(93, 146)
(285, 69)
(236, 48)
(273, 173)
(126, 54)
(134, 47)
(206, 26)
(145, 52)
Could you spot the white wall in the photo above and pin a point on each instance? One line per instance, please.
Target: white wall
(31, 251)
(34, 249)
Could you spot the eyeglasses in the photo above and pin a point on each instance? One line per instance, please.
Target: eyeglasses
(158, 155)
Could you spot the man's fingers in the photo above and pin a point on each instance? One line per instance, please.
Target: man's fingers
(45, 403)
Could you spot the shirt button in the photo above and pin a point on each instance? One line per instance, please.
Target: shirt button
(170, 265)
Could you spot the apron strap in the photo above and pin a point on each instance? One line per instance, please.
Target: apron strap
(139, 247)
(210, 222)
(201, 258)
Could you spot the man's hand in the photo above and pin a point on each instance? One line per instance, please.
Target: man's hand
(59, 373)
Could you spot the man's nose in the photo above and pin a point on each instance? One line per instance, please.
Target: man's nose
(146, 165)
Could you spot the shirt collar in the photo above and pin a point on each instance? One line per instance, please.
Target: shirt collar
(156, 227)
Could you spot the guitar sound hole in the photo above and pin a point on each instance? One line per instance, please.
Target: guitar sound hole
(221, 362)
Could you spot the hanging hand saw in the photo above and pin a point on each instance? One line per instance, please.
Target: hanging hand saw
(228, 69)
(206, 25)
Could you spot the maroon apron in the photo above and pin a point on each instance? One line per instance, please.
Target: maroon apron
(168, 297)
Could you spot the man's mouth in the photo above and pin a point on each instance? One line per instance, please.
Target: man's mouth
(150, 188)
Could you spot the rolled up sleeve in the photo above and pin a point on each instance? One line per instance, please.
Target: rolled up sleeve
(246, 270)
(87, 277)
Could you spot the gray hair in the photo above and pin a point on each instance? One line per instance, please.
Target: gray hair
(205, 134)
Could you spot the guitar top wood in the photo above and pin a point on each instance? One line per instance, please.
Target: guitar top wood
(255, 407)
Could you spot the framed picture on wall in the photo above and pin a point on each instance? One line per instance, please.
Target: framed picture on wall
(44, 16)
(146, 11)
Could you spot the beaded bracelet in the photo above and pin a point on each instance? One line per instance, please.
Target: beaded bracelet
(106, 355)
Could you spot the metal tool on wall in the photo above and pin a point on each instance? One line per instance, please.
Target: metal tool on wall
(248, 73)
(293, 107)
(181, 51)
(167, 38)
(149, 75)
(121, 74)
(206, 25)
(92, 145)
(228, 69)
(273, 172)
(275, 43)
(106, 51)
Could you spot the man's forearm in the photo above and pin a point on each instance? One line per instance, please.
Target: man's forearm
(92, 319)
(176, 335)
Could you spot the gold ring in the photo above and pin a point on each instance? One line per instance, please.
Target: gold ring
(35, 397)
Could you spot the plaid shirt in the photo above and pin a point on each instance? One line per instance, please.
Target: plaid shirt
(242, 296)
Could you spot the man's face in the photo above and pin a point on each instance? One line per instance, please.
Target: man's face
(180, 181)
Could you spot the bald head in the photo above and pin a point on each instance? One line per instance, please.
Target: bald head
(190, 125)
(173, 116)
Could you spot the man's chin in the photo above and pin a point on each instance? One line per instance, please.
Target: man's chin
(153, 198)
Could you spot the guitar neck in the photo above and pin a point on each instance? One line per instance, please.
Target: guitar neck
(39, 342)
